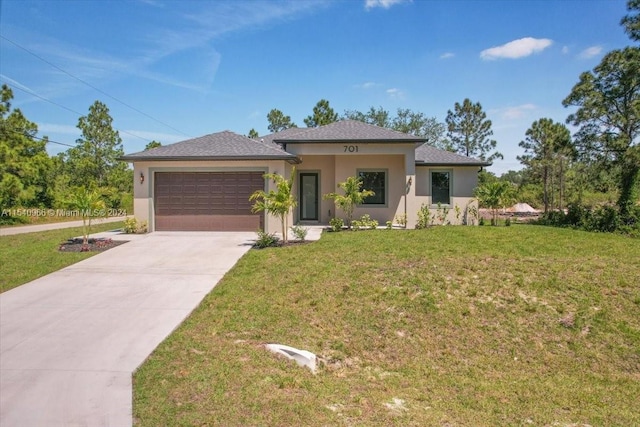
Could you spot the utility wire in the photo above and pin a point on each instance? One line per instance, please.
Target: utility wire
(18, 131)
(30, 92)
(93, 87)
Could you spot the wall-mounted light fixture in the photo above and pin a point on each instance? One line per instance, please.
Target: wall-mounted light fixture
(141, 178)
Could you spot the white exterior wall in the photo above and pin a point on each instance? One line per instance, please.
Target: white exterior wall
(143, 193)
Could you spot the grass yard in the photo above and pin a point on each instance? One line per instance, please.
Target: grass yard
(25, 257)
(451, 326)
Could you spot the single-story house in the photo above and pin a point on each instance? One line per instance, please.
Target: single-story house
(205, 183)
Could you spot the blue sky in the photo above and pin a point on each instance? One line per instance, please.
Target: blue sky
(190, 68)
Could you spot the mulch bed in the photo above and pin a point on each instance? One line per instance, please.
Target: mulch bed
(94, 245)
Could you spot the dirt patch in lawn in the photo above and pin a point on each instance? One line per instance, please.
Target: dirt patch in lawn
(93, 245)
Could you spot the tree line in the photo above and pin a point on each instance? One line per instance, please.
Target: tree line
(466, 130)
(30, 177)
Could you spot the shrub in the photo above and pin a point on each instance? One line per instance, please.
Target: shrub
(401, 220)
(266, 240)
(605, 219)
(365, 222)
(336, 224)
(300, 232)
(389, 225)
(131, 226)
(424, 217)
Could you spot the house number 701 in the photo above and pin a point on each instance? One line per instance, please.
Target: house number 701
(350, 148)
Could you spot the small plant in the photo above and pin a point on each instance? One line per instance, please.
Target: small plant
(277, 203)
(507, 222)
(131, 226)
(266, 240)
(365, 222)
(336, 224)
(299, 232)
(424, 217)
(389, 225)
(401, 220)
(441, 214)
(458, 211)
(472, 212)
(352, 197)
(89, 204)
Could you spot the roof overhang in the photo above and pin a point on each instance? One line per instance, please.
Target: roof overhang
(416, 141)
(478, 164)
(291, 159)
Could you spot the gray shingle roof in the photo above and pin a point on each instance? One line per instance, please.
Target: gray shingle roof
(343, 130)
(427, 155)
(231, 146)
(216, 146)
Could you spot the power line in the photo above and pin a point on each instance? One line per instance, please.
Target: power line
(51, 141)
(93, 87)
(30, 92)
(18, 131)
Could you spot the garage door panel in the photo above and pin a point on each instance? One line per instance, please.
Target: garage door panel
(201, 201)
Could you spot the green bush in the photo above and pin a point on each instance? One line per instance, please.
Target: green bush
(266, 240)
(365, 222)
(424, 217)
(604, 219)
(336, 224)
(300, 232)
(131, 226)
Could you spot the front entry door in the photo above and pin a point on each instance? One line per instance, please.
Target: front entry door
(308, 196)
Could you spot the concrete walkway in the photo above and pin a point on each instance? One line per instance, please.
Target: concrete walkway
(70, 341)
(21, 229)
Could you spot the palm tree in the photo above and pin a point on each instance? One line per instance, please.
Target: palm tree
(495, 195)
(89, 204)
(278, 203)
(352, 197)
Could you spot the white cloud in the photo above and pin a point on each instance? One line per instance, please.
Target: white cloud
(565, 49)
(15, 83)
(590, 52)
(367, 85)
(395, 93)
(447, 55)
(516, 48)
(385, 4)
(517, 112)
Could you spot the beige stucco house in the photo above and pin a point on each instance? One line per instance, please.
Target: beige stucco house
(205, 183)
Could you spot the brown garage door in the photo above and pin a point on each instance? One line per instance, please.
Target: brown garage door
(206, 201)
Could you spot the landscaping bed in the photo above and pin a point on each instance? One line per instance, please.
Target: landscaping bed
(93, 245)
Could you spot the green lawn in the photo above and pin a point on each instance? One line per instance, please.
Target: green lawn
(25, 257)
(458, 326)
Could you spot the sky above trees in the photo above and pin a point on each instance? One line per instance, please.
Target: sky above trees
(170, 70)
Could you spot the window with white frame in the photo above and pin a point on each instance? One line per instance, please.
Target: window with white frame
(376, 181)
(441, 187)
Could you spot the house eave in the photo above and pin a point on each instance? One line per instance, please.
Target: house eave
(449, 164)
(290, 159)
(350, 141)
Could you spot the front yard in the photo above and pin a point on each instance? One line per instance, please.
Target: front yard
(482, 326)
(25, 257)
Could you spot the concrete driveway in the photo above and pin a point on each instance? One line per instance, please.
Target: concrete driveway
(70, 341)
